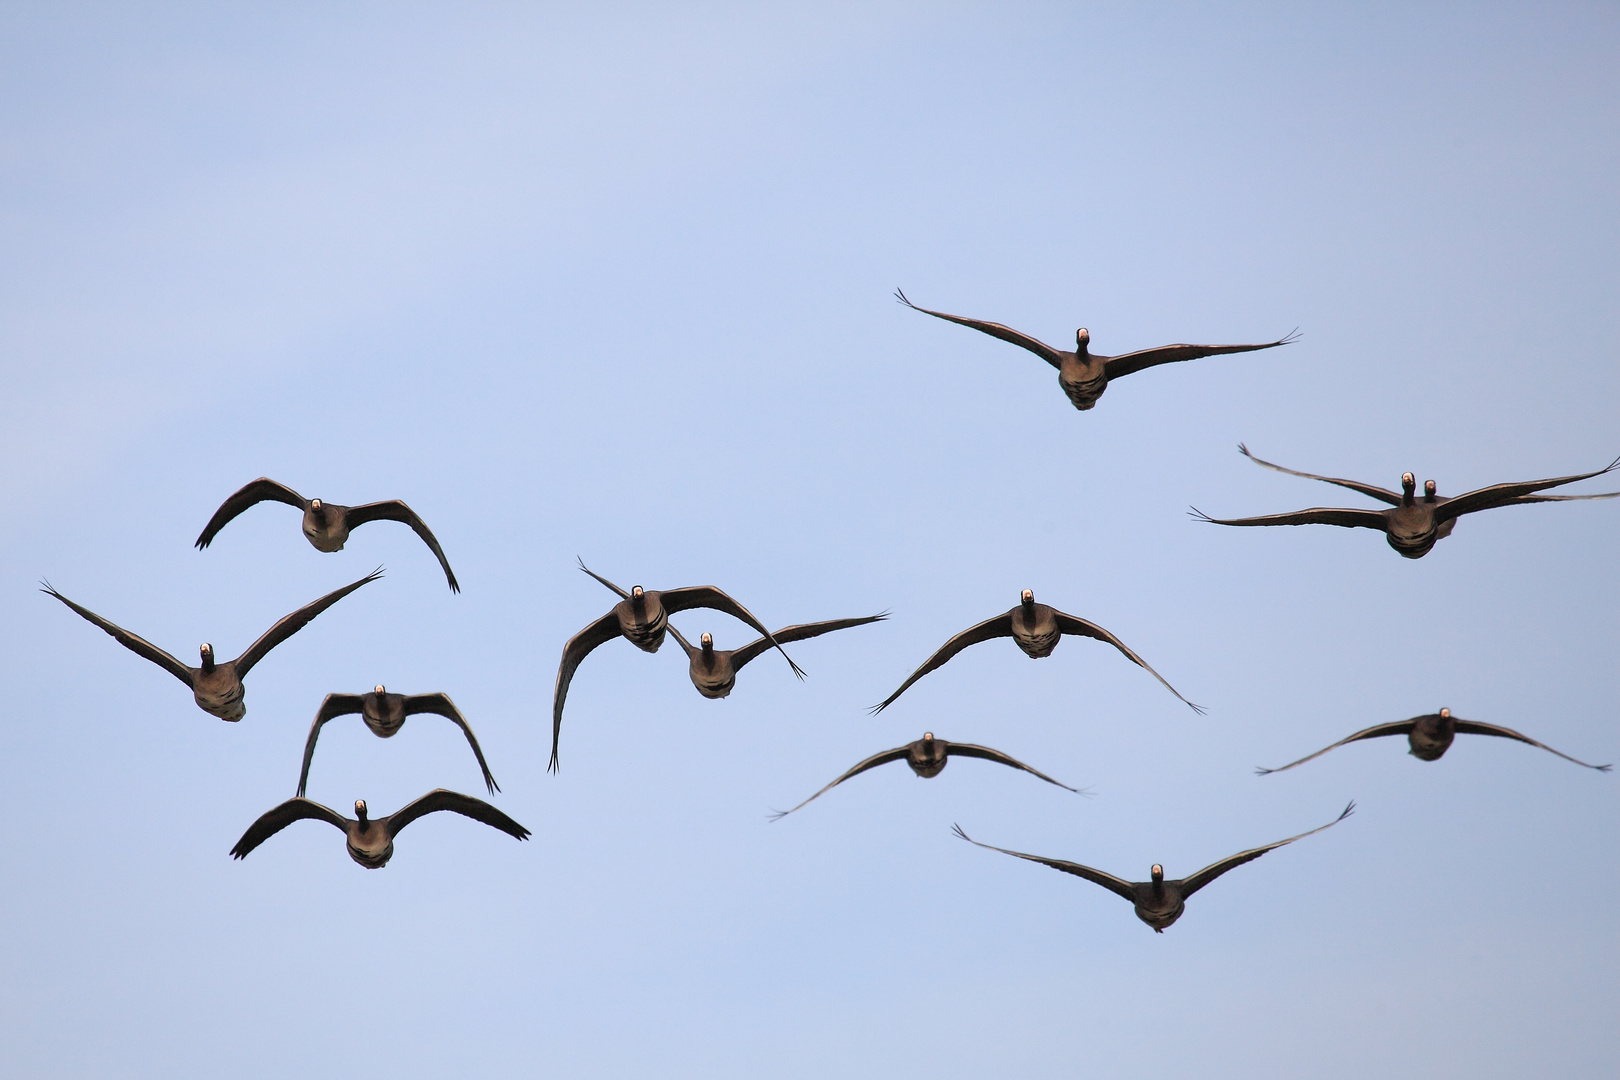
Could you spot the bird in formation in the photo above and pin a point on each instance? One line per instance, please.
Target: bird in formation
(641, 616)
(1083, 374)
(1412, 526)
(217, 687)
(371, 841)
(927, 757)
(1159, 902)
(1036, 629)
(714, 671)
(326, 525)
(1429, 736)
(385, 714)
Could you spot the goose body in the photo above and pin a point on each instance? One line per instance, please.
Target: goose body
(1429, 736)
(370, 842)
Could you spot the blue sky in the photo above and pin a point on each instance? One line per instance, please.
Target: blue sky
(617, 285)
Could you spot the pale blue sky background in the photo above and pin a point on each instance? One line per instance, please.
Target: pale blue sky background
(617, 285)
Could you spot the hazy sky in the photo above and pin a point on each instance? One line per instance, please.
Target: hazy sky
(617, 286)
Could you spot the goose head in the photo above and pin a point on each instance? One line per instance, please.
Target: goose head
(1408, 488)
(638, 595)
(928, 736)
(318, 509)
(379, 689)
(360, 811)
(1027, 598)
(207, 652)
(707, 640)
(1157, 873)
(1082, 340)
(1430, 489)
(1445, 714)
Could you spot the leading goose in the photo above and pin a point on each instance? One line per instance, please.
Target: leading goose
(371, 842)
(1083, 374)
(714, 671)
(1036, 628)
(217, 687)
(385, 714)
(1159, 902)
(927, 757)
(326, 525)
(1429, 736)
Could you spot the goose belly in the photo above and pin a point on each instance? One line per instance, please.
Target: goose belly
(646, 635)
(223, 699)
(1160, 917)
(1412, 531)
(1038, 642)
(371, 858)
(384, 727)
(712, 685)
(327, 539)
(1427, 747)
(1083, 393)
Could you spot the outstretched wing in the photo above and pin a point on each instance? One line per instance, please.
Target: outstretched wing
(579, 646)
(1000, 626)
(622, 594)
(1130, 363)
(1073, 624)
(273, 821)
(441, 705)
(1215, 870)
(1486, 498)
(137, 645)
(707, 596)
(1096, 877)
(1372, 491)
(1402, 727)
(797, 633)
(961, 749)
(465, 805)
(1319, 515)
(994, 329)
(1473, 727)
(897, 754)
(334, 706)
(258, 491)
(1565, 498)
(291, 624)
(395, 510)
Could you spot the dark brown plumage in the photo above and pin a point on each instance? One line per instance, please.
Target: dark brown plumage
(1083, 374)
(1158, 902)
(326, 525)
(371, 841)
(1429, 736)
(217, 687)
(714, 671)
(385, 714)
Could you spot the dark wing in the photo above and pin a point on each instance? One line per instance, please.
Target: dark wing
(1130, 363)
(622, 594)
(335, 705)
(1473, 727)
(137, 645)
(686, 646)
(1565, 498)
(441, 705)
(897, 754)
(1000, 626)
(707, 596)
(273, 821)
(1215, 870)
(1005, 333)
(1073, 624)
(1500, 494)
(970, 750)
(1096, 877)
(291, 624)
(465, 805)
(1317, 515)
(394, 510)
(1402, 727)
(579, 646)
(1370, 490)
(797, 633)
(257, 492)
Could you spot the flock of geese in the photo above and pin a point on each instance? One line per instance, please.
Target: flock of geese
(1411, 526)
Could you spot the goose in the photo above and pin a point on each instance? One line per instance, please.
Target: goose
(1036, 628)
(1429, 737)
(371, 841)
(927, 758)
(217, 687)
(1159, 902)
(714, 671)
(385, 714)
(326, 525)
(641, 616)
(1410, 525)
(1083, 374)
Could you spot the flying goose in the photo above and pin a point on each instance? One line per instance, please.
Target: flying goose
(218, 686)
(1429, 736)
(927, 758)
(326, 525)
(1036, 629)
(371, 842)
(1411, 526)
(1159, 903)
(642, 616)
(385, 714)
(1083, 374)
(714, 671)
